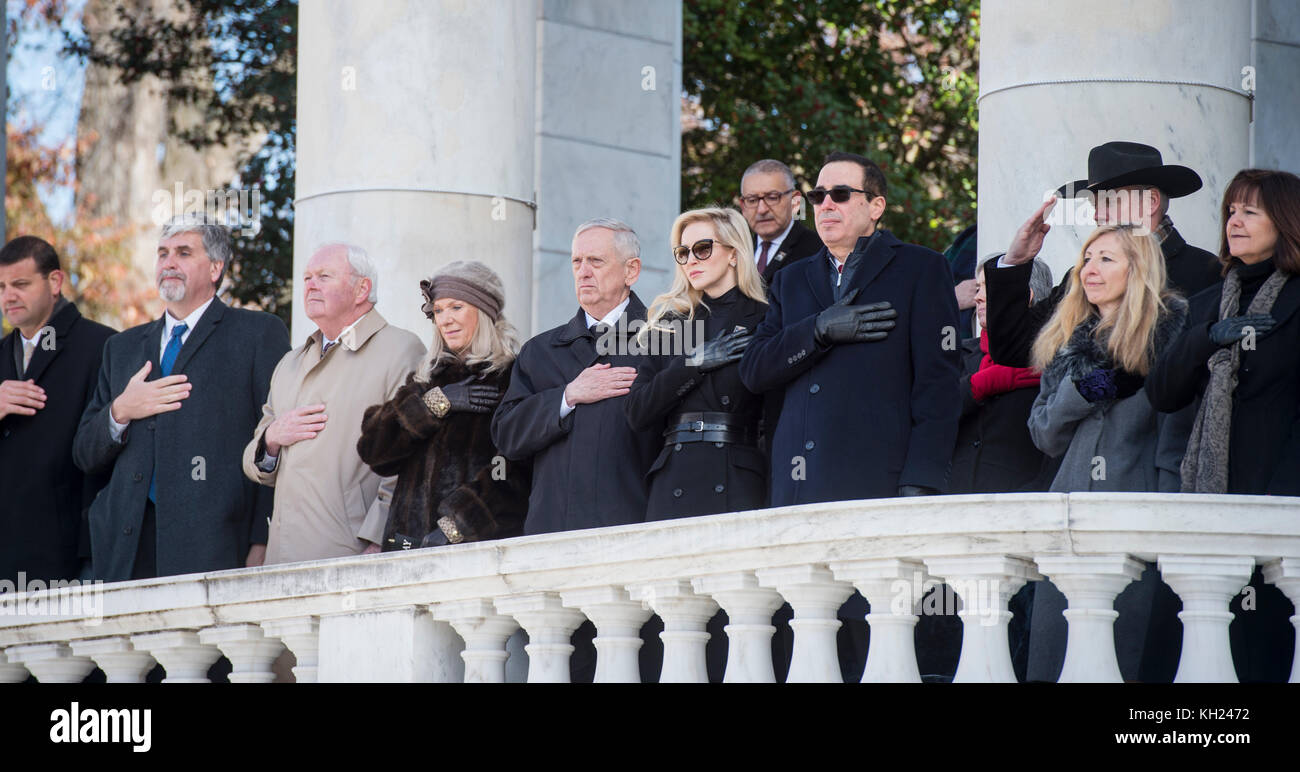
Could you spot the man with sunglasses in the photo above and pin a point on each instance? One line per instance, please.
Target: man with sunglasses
(769, 199)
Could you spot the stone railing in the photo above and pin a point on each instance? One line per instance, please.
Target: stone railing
(447, 614)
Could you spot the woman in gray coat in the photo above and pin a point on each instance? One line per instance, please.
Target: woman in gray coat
(1095, 352)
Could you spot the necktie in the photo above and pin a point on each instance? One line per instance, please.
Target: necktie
(762, 256)
(29, 348)
(168, 360)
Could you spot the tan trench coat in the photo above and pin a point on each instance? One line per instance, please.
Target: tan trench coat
(328, 503)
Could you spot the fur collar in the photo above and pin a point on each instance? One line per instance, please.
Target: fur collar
(1083, 352)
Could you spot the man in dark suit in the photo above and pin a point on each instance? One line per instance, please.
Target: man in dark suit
(564, 409)
(1129, 183)
(175, 402)
(769, 200)
(48, 367)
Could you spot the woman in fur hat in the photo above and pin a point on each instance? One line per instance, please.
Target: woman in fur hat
(434, 434)
(1095, 353)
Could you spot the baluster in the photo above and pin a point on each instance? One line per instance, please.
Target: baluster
(301, 635)
(1206, 585)
(892, 589)
(121, 662)
(685, 616)
(185, 658)
(749, 627)
(250, 651)
(1285, 573)
(549, 626)
(1090, 584)
(985, 584)
(815, 596)
(618, 621)
(52, 663)
(485, 633)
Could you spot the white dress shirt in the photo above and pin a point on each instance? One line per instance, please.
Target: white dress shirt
(610, 319)
(115, 429)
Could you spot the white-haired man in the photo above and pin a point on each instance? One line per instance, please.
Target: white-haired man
(174, 400)
(328, 503)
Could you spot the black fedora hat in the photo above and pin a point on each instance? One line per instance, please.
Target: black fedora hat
(1118, 164)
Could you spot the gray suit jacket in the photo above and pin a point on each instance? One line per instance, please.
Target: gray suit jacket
(208, 513)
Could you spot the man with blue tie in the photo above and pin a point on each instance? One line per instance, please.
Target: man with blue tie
(175, 399)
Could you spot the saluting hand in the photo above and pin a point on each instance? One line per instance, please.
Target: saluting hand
(301, 423)
(20, 398)
(599, 382)
(1029, 239)
(141, 398)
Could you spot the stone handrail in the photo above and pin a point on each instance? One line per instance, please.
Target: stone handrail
(446, 614)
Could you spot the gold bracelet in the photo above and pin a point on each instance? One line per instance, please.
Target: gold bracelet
(437, 402)
(454, 536)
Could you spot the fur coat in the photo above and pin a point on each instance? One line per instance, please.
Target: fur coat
(1111, 445)
(445, 467)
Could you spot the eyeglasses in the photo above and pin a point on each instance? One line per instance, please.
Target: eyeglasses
(773, 198)
(702, 250)
(839, 194)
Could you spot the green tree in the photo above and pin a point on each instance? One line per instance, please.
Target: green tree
(894, 80)
(250, 49)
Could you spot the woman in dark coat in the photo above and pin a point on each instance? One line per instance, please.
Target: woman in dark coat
(691, 390)
(1238, 356)
(452, 485)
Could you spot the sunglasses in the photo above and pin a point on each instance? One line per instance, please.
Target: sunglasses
(702, 249)
(839, 194)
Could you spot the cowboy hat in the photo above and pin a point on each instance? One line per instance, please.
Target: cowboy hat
(1120, 164)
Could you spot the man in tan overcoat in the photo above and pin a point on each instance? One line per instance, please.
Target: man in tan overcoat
(327, 502)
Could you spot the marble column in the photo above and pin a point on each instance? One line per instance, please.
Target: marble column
(250, 651)
(416, 141)
(301, 635)
(185, 658)
(550, 627)
(121, 662)
(51, 663)
(892, 588)
(1205, 585)
(485, 632)
(1285, 573)
(749, 627)
(815, 597)
(1090, 584)
(685, 616)
(618, 621)
(1056, 81)
(985, 585)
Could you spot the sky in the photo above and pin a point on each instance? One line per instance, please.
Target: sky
(45, 88)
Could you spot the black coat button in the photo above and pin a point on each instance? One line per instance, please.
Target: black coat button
(127, 530)
(726, 400)
(975, 444)
(678, 446)
(677, 492)
(137, 477)
(719, 488)
(719, 444)
(809, 445)
(813, 389)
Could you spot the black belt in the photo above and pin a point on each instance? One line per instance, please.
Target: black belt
(709, 427)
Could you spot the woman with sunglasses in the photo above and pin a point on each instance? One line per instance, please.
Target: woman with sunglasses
(691, 389)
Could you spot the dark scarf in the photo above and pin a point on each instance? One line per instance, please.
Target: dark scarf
(1205, 466)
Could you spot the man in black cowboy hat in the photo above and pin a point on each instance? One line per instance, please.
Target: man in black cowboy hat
(1128, 183)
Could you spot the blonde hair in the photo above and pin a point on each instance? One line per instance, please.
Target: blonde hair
(682, 299)
(493, 344)
(1129, 334)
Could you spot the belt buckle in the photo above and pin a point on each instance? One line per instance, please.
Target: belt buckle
(697, 426)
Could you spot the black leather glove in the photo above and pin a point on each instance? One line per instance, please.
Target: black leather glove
(467, 398)
(1235, 328)
(916, 490)
(435, 538)
(723, 350)
(843, 323)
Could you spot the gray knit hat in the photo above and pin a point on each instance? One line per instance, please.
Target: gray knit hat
(467, 280)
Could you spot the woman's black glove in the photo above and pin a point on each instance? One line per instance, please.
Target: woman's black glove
(843, 323)
(723, 350)
(1105, 384)
(475, 398)
(1235, 328)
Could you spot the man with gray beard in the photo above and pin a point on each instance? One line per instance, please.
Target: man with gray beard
(175, 401)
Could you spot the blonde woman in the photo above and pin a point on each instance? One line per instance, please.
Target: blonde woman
(1095, 353)
(691, 390)
(434, 434)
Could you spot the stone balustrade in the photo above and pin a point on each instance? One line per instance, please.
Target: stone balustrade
(449, 614)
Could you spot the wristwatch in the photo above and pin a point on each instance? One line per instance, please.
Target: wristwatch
(437, 402)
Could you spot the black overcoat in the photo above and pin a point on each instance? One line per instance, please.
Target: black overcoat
(208, 513)
(859, 420)
(44, 494)
(589, 467)
(1014, 324)
(994, 452)
(799, 243)
(701, 478)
